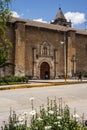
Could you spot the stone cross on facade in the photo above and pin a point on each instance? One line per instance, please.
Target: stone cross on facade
(73, 60)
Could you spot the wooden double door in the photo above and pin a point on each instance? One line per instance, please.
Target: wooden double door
(45, 71)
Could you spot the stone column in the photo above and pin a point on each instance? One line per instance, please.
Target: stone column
(34, 63)
(69, 56)
(70, 51)
(55, 63)
(20, 49)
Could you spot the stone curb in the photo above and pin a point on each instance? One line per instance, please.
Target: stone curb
(39, 85)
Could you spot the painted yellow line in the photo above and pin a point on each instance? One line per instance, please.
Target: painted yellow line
(39, 85)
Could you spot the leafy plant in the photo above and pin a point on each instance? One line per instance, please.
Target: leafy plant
(13, 80)
(53, 117)
(15, 122)
(5, 43)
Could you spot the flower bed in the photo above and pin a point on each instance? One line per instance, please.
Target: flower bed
(54, 116)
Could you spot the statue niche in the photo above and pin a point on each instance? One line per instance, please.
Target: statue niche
(44, 49)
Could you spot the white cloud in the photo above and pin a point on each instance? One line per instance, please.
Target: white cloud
(15, 14)
(75, 17)
(40, 20)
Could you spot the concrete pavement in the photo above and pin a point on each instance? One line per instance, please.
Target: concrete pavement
(75, 95)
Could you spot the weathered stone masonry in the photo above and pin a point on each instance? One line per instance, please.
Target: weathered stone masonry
(37, 51)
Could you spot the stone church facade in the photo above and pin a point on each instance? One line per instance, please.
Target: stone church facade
(46, 51)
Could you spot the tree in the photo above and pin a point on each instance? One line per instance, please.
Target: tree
(5, 44)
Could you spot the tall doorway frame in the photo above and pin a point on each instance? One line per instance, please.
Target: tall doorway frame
(44, 70)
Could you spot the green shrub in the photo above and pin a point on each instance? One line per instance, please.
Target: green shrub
(53, 117)
(14, 123)
(13, 79)
(1, 80)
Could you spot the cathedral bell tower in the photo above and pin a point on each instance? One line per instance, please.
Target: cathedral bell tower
(60, 19)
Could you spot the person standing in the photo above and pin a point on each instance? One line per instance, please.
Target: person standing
(80, 76)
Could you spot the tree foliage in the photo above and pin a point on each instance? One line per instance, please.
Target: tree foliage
(5, 44)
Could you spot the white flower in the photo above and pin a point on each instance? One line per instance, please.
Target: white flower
(32, 98)
(59, 125)
(56, 122)
(15, 125)
(51, 112)
(36, 128)
(76, 116)
(21, 118)
(39, 119)
(48, 127)
(59, 117)
(21, 123)
(33, 112)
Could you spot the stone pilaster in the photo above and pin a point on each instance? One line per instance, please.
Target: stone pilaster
(70, 53)
(20, 49)
(55, 63)
(69, 56)
(34, 63)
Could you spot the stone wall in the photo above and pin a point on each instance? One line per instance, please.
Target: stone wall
(81, 52)
(37, 37)
(20, 49)
(34, 45)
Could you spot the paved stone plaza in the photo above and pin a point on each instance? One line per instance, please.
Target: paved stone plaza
(18, 99)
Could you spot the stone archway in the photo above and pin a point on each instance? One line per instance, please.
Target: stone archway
(44, 71)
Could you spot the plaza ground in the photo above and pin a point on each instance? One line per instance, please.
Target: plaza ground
(75, 95)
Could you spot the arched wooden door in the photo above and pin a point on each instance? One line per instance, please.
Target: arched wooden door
(45, 71)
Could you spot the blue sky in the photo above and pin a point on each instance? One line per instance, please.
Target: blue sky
(46, 10)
